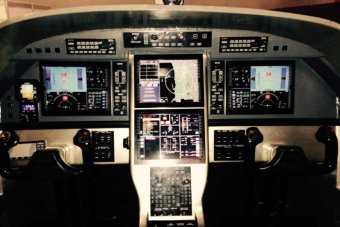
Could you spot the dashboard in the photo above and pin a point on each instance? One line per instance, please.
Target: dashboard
(169, 91)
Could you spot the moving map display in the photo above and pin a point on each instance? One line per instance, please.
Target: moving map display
(168, 80)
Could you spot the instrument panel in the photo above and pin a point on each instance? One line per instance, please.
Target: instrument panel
(239, 84)
(171, 97)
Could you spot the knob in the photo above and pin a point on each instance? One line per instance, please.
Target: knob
(186, 181)
(126, 143)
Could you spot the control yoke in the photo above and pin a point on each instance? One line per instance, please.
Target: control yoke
(8, 139)
(83, 140)
(292, 161)
(46, 164)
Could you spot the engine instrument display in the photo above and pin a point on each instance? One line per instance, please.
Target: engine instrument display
(79, 88)
(260, 87)
(175, 135)
(172, 81)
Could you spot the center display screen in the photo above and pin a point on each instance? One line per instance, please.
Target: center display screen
(171, 81)
(78, 88)
(176, 135)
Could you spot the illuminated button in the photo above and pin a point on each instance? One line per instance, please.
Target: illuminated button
(267, 97)
(65, 98)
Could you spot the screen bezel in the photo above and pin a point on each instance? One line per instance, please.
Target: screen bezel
(137, 160)
(291, 92)
(197, 57)
(47, 112)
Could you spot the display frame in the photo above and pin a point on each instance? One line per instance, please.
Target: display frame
(44, 102)
(200, 80)
(186, 160)
(260, 63)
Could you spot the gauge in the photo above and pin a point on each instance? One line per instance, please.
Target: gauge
(66, 102)
(172, 2)
(268, 101)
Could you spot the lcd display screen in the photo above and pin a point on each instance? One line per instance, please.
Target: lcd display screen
(81, 88)
(65, 79)
(168, 80)
(177, 135)
(269, 78)
(260, 87)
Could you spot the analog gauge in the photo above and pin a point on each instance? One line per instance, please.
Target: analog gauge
(172, 2)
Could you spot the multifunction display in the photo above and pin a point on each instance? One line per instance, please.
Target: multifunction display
(79, 88)
(260, 87)
(170, 135)
(169, 81)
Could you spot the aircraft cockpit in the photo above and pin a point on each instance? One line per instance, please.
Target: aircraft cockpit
(161, 116)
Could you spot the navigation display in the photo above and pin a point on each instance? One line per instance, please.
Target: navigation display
(260, 87)
(76, 88)
(169, 135)
(168, 80)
